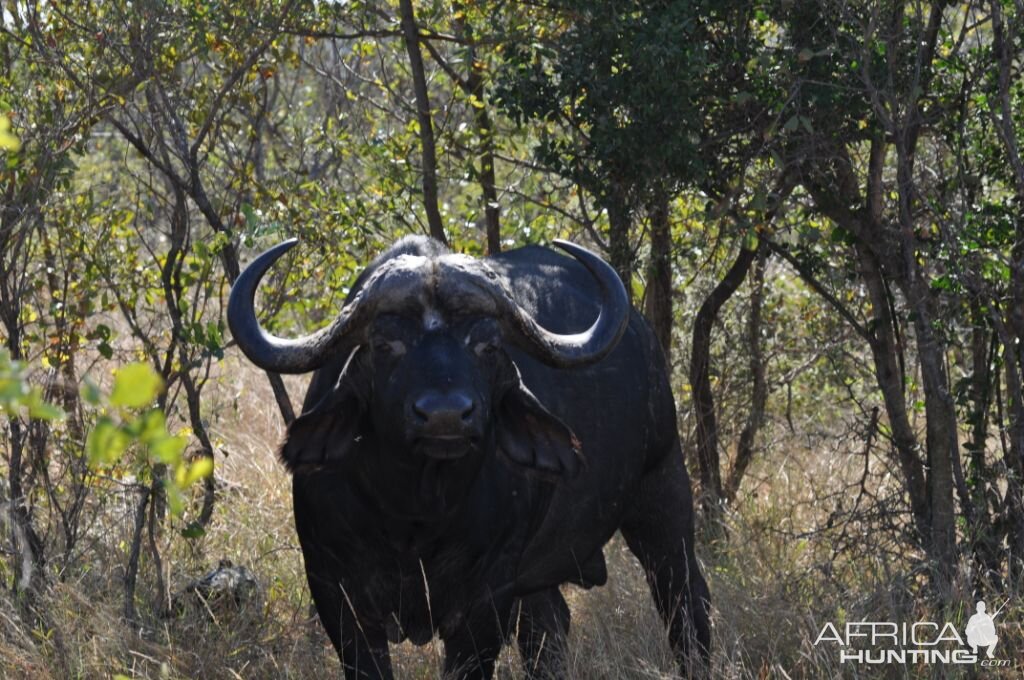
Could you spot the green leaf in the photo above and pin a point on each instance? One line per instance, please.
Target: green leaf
(174, 499)
(11, 390)
(106, 442)
(8, 142)
(135, 386)
(751, 241)
(90, 393)
(168, 449)
(40, 409)
(200, 468)
(151, 427)
(193, 530)
(250, 216)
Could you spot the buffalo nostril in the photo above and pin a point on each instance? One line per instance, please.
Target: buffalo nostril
(435, 408)
(423, 407)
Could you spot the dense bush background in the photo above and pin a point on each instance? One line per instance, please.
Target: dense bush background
(818, 205)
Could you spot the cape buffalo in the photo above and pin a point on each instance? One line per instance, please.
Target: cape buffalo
(475, 432)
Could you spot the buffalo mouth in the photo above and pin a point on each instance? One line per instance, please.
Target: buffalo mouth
(444, 447)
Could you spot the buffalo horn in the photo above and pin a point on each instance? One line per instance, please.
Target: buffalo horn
(284, 355)
(301, 355)
(574, 349)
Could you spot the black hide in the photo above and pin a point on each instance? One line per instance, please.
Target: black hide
(402, 541)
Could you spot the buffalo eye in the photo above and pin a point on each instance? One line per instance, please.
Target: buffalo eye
(484, 337)
(485, 348)
(391, 334)
(389, 347)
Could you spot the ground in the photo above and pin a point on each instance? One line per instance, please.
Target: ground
(782, 573)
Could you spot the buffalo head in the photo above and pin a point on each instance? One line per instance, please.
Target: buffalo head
(427, 378)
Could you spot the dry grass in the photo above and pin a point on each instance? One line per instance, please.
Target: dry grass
(772, 588)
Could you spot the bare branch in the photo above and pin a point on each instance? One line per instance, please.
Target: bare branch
(426, 125)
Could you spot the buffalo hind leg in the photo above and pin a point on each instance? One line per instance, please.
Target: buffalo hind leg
(542, 632)
(363, 651)
(659, 531)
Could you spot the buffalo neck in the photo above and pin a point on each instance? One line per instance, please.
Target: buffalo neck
(406, 487)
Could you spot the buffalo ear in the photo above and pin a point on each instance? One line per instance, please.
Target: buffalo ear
(529, 435)
(326, 433)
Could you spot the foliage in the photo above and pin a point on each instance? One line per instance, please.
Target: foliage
(619, 88)
(18, 396)
(8, 142)
(870, 150)
(130, 424)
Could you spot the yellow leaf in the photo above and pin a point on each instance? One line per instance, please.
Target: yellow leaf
(8, 142)
(203, 467)
(135, 386)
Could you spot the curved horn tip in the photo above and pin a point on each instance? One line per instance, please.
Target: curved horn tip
(282, 247)
(588, 258)
(568, 246)
(258, 267)
(580, 253)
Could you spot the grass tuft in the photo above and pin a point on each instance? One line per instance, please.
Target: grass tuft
(775, 581)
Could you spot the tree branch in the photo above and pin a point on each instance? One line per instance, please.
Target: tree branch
(427, 142)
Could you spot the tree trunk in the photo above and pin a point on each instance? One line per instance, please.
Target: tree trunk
(658, 300)
(700, 380)
(620, 254)
(983, 536)
(28, 547)
(1014, 453)
(62, 388)
(1015, 394)
(1011, 328)
(410, 31)
(941, 427)
(759, 392)
(942, 447)
(135, 548)
(492, 211)
(892, 383)
(473, 86)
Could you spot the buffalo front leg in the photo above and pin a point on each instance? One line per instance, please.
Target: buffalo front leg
(470, 651)
(363, 649)
(659, 531)
(542, 629)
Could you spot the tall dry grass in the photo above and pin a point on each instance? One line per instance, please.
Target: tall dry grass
(782, 573)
